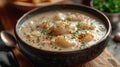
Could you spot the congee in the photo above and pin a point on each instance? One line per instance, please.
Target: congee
(62, 30)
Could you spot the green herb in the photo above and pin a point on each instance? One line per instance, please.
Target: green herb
(49, 25)
(102, 29)
(74, 33)
(38, 38)
(78, 25)
(64, 36)
(55, 47)
(91, 23)
(43, 31)
(78, 28)
(28, 36)
(60, 49)
(83, 45)
(24, 33)
(110, 6)
(85, 31)
(69, 18)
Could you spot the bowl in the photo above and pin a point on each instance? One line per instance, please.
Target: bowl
(66, 58)
(25, 6)
(114, 17)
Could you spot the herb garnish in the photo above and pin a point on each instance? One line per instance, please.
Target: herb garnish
(110, 6)
(43, 31)
(83, 44)
(24, 33)
(38, 38)
(78, 28)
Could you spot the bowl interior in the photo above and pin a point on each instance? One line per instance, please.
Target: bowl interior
(85, 9)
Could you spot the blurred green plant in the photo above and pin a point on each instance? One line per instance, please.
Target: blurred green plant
(109, 6)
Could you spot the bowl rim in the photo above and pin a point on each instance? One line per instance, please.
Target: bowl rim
(72, 51)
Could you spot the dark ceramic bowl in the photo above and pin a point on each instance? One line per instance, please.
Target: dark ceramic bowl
(60, 59)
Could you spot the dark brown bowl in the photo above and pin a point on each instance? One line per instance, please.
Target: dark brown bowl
(68, 58)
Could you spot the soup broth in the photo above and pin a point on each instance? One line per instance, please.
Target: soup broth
(62, 30)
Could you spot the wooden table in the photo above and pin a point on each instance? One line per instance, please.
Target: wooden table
(9, 16)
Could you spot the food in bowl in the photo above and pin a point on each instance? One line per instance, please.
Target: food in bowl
(62, 30)
(64, 57)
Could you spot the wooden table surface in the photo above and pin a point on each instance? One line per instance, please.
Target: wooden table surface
(9, 16)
